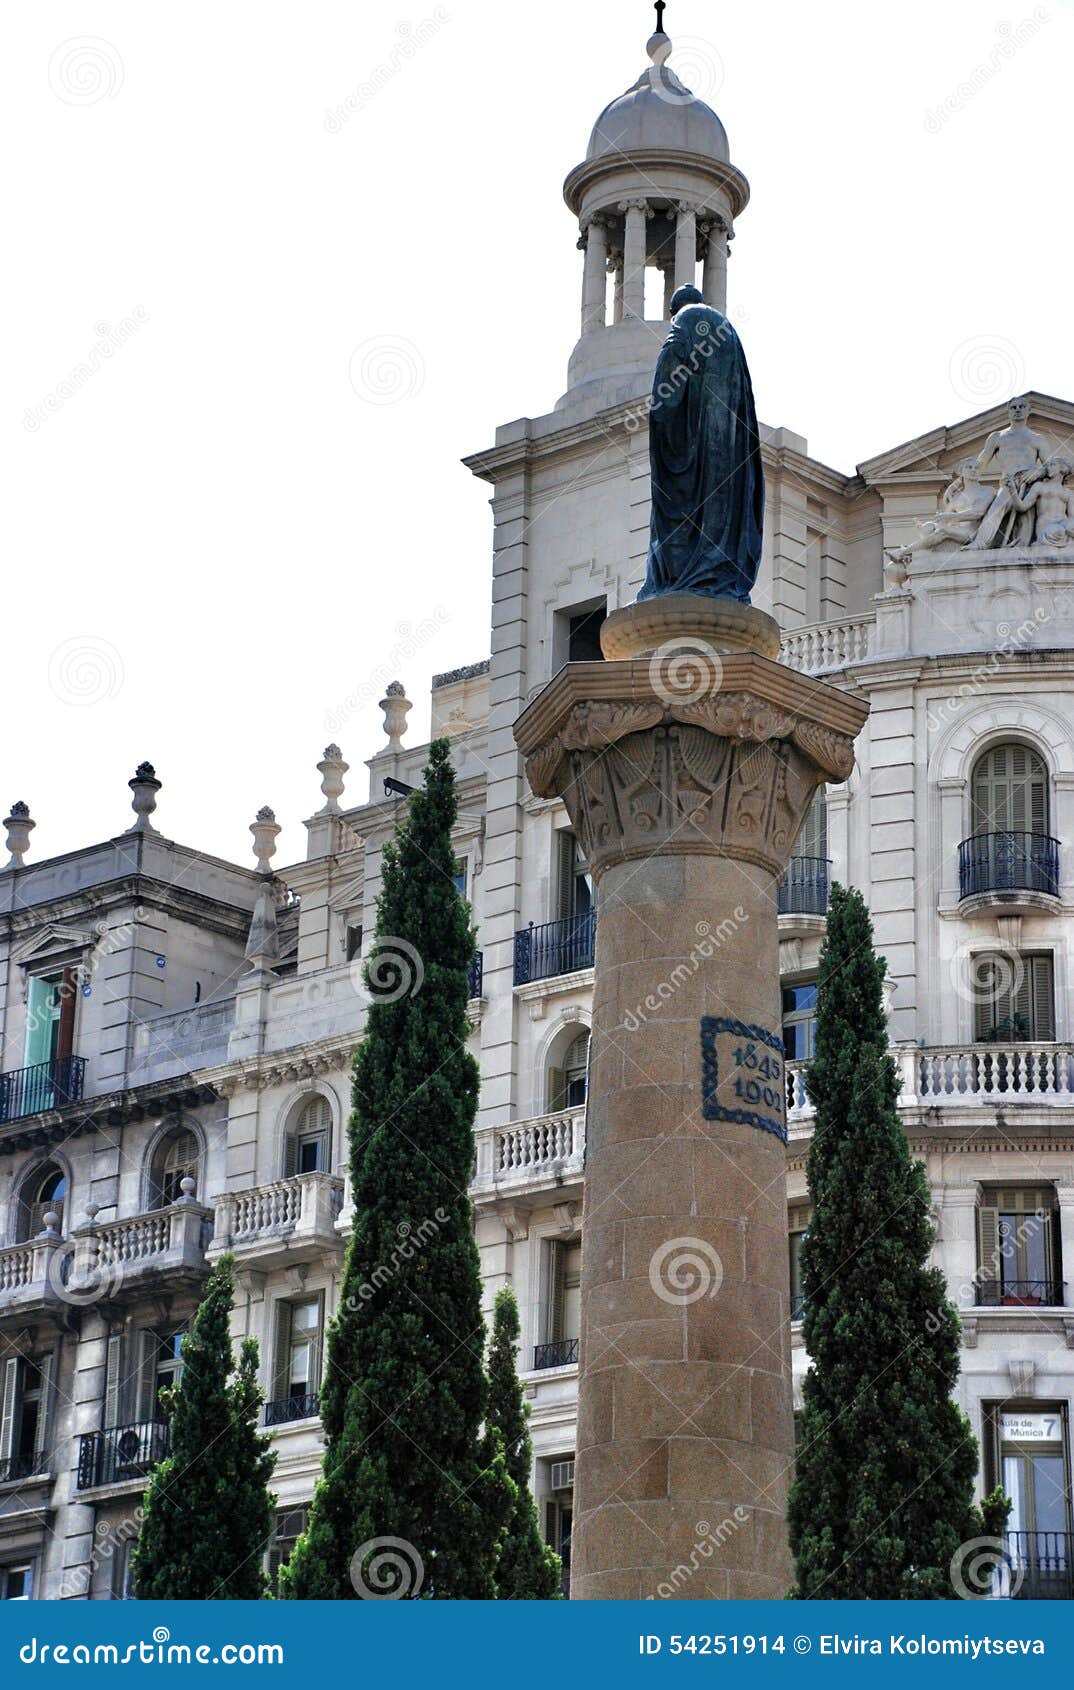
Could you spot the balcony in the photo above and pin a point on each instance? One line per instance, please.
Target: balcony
(805, 886)
(19, 1467)
(1036, 1073)
(31, 1280)
(477, 974)
(1021, 1294)
(47, 1085)
(1038, 1567)
(285, 1223)
(285, 1410)
(162, 1249)
(1003, 865)
(538, 1155)
(822, 646)
(555, 947)
(562, 1352)
(122, 1453)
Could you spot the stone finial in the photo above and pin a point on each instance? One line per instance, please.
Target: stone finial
(19, 828)
(144, 785)
(396, 707)
(265, 830)
(332, 768)
(188, 1187)
(52, 1225)
(263, 944)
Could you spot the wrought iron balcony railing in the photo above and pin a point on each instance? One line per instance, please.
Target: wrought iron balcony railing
(563, 1352)
(284, 1410)
(21, 1466)
(477, 974)
(1008, 862)
(120, 1453)
(805, 886)
(554, 947)
(45, 1085)
(1020, 1293)
(1038, 1567)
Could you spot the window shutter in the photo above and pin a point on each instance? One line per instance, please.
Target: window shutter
(565, 874)
(317, 1347)
(556, 1288)
(47, 1370)
(148, 1348)
(38, 1020)
(987, 1010)
(283, 1349)
(1050, 1241)
(988, 1251)
(112, 1379)
(1042, 1012)
(813, 839)
(7, 1413)
(556, 1089)
(290, 1155)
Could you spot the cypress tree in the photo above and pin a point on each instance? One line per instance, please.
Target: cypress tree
(883, 1497)
(528, 1568)
(208, 1512)
(412, 1500)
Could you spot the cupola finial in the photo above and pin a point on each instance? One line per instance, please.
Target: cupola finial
(658, 45)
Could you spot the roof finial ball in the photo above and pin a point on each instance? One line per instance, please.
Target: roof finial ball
(658, 45)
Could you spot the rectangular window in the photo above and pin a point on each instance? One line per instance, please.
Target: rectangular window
(797, 1226)
(17, 1582)
(299, 1342)
(160, 1369)
(799, 1020)
(290, 1524)
(559, 1515)
(353, 943)
(24, 1416)
(565, 1290)
(575, 882)
(460, 876)
(1014, 997)
(1027, 1453)
(583, 635)
(43, 1005)
(1018, 1248)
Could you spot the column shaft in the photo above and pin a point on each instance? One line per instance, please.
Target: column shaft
(685, 246)
(595, 276)
(714, 283)
(634, 262)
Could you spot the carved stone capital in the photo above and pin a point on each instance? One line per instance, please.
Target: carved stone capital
(652, 758)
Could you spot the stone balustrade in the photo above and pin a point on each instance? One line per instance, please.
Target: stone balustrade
(125, 1257)
(934, 1076)
(823, 646)
(28, 1280)
(288, 1220)
(537, 1153)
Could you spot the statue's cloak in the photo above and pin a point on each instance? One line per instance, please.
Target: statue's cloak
(707, 518)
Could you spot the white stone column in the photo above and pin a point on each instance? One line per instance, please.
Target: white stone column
(595, 276)
(958, 1242)
(685, 245)
(952, 792)
(714, 282)
(634, 259)
(1064, 1194)
(668, 272)
(615, 269)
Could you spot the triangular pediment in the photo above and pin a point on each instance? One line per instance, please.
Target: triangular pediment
(52, 940)
(933, 456)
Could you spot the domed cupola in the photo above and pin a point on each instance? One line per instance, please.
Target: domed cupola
(656, 190)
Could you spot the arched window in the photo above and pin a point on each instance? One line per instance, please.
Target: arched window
(568, 1079)
(42, 1194)
(1010, 791)
(306, 1144)
(175, 1157)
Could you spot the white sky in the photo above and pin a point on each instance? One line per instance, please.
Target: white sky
(214, 543)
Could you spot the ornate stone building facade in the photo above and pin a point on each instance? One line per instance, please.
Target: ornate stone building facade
(176, 1030)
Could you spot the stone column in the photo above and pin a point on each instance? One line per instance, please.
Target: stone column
(714, 280)
(634, 258)
(615, 269)
(687, 763)
(595, 277)
(685, 244)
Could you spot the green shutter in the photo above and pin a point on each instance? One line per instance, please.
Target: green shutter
(7, 1413)
(39, 1019)
(1042, 1007)
(556, 1091)
(1010, 791)
(317, 1347)
(988, 1251)
(290, 1156)
(556, 1287)
(146, 1382)
(113, 1380)
(566, 850)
